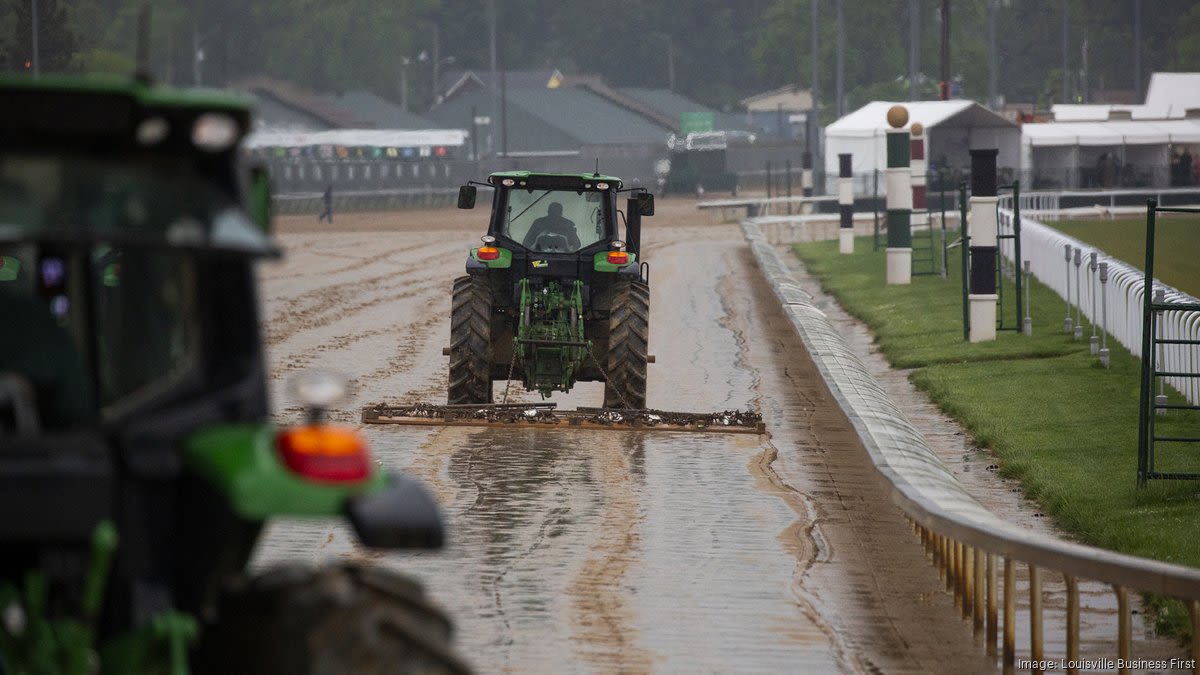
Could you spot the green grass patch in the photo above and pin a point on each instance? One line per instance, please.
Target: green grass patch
(1057, 421)
(1177, 243)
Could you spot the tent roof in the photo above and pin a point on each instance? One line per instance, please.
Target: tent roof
(353, 137)
(1172, 94)
(1169, 96)
(1115, 132)
(871, 119)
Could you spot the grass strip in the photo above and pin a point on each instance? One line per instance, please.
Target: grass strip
(1058, 422)
(1177, 239)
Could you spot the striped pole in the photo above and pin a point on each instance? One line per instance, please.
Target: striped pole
(846, 204)
(982, 294)
(920, 215)
(806, 180)
(899, 199)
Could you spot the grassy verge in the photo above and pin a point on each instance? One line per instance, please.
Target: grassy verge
(1177, 240)
(1059, 423)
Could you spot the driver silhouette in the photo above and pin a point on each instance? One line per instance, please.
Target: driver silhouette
(552, 223)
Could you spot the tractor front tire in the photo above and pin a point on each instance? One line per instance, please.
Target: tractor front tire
(628, 345)
(334, 619)
(470, 342)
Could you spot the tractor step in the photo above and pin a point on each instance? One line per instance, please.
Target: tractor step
(544, 415)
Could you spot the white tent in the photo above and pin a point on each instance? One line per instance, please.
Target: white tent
(1170, 96)
(1085, 154)
(952, 129)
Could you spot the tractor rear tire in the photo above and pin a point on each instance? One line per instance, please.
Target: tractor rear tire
(470, 342)
(628, 345)
(334, 619)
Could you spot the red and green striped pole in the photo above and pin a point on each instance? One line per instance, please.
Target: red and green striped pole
(920, 213)
(845, 204)
(899, 199)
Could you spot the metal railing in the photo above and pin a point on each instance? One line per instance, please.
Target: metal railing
(1107, 203)
(975, 551)
(1053, 260)
(1154, 366)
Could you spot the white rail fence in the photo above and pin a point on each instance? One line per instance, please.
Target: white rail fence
(1102, 203)
(1047, 251)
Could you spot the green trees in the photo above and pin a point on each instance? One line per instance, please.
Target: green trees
(716, 51)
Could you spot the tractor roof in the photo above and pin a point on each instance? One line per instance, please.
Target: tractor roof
(111, 112)
(144, 92)
(556, 181)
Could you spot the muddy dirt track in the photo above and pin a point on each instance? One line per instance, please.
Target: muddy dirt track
(617, 551)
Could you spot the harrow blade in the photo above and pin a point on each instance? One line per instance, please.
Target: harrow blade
(543, 415)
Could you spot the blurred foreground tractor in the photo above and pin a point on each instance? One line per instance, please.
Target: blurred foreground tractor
(137, 463)
(555, 293)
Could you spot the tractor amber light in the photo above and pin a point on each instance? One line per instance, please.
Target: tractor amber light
(488, 253)
(325, 453)
(618, 257)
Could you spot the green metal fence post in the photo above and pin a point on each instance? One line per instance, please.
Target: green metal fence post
(942, 205)
(875, 205)
(1017, 248)
(1147, 388)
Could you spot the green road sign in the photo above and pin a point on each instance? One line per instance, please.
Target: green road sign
(695, 122)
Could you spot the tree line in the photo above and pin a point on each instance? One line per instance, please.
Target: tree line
(715, 51)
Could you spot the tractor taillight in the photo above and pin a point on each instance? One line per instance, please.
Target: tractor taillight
(488, 253)
(618, 257)
(325, 453)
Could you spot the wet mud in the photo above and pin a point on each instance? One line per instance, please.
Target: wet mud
(578, 550)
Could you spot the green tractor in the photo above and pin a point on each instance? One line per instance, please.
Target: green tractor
(555, 293)
(138, 465)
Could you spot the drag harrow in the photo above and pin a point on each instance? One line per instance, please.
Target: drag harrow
(548, 415)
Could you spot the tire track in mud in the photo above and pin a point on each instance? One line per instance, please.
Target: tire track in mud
(408, 249)
(408, 333)
(802, 539)
(407, 351)
(336, 304)
(602, 621)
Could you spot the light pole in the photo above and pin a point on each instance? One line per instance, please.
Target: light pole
(36, 65)
(914, 48)
(437, 62)
(840, 78)
(404, 61)
(198, 55)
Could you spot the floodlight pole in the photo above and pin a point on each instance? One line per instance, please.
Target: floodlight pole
(37, 69)
(813, 114)
(914, 49)
(840, 104)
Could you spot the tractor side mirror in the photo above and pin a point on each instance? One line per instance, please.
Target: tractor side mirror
(466, 197)
(645, 203)
(260, 197)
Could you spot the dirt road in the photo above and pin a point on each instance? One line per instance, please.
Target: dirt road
(576, 550)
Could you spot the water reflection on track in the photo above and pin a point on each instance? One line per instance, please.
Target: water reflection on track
(603, 551)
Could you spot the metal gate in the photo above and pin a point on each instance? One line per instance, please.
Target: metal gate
(1152, 405)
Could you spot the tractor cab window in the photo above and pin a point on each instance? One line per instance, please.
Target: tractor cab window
(101, 304)
(554, 221)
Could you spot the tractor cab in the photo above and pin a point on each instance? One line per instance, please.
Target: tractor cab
(559, 225)
(133, 397)
(554, 281)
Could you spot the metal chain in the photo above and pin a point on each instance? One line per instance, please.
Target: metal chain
(508, 380)
(596, 361)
